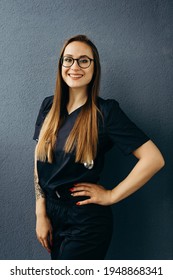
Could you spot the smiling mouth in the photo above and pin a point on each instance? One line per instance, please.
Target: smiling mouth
(77, 76)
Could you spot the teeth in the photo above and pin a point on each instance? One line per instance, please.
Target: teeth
(75, 76)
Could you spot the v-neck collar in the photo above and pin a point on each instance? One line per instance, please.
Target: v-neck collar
(74, 111)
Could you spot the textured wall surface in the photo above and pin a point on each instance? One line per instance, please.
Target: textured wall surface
(135, 42)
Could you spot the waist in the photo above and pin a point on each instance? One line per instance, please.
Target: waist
(63, 194)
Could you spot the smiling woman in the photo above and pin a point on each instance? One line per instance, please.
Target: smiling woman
(78, 66)
(74, 130)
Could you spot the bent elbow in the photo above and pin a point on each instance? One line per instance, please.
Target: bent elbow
(156, 161)
(160, 162)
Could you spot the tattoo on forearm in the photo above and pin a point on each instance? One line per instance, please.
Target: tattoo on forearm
(38, 190)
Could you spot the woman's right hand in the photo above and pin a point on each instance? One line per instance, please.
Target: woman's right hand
(44, 231)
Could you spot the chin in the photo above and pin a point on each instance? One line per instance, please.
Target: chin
(76, 85)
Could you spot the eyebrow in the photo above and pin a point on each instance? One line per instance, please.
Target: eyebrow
(78, 57)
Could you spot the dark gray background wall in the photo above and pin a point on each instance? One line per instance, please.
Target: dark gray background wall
(135, 41)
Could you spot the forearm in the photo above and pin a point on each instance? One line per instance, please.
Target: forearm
(140, 174)
(150, 161)
(40, 197)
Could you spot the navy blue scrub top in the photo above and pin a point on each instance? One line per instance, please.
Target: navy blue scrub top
(116, 129)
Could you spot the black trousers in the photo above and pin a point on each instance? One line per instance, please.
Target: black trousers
(79, 232)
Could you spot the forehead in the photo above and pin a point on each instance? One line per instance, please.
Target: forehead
(77, 49)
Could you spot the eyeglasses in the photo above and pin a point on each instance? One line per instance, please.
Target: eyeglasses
(83, 62)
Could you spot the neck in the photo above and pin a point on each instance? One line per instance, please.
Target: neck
(77, 97)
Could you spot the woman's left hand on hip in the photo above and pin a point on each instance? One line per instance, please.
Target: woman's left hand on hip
(97, 194)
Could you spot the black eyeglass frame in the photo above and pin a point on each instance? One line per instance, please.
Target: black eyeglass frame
(77, 59)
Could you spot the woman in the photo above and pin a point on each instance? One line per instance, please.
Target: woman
(74, 129)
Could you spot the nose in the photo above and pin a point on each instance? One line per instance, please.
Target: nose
(75, 66)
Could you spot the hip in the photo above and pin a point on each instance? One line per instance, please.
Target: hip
(62, 207)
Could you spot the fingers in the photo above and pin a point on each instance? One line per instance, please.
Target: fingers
(83, 189)
(86, 189)
(86, 185)
(80, 188)
(84, 202)
(46, 245)
(46, 242)
(41, 241)
(81, 193)
(97, 194)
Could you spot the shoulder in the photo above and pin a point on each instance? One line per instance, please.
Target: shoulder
(44, 109)
(47, 102)
(106, 106)
(46, 106)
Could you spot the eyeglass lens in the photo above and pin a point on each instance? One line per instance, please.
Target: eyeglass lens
(83, 62)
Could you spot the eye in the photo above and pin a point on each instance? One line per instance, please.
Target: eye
(68, 59)
(84, 60)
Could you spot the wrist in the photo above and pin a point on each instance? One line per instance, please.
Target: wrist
(41, 214)
(40, 209)
(118, 193)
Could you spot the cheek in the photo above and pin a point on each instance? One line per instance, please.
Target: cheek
(63, 73)
(90, 74)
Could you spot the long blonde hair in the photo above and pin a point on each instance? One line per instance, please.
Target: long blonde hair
(83, 137)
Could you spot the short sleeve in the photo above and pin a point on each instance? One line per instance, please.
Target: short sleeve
(122, 131)
(44, 109)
